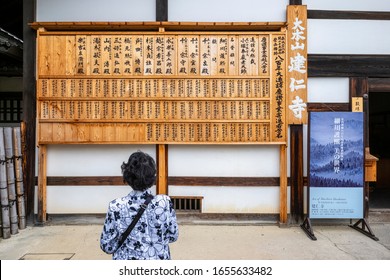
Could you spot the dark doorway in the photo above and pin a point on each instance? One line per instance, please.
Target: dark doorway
(379, 141)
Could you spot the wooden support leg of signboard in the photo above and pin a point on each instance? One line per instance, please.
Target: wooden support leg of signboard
(42, 184)
(365, 228)
(283, 185)
(162, 169)
(306, 226)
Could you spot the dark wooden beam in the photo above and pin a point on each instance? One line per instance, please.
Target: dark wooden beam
(29, 107)
(296, 177)
(358, 87)
(173, 181)
(361, 15)
(379, 85)
(295, 2)
(327, 65)
(85, 181)
(161, 10)
(325, 107)
(224, 181)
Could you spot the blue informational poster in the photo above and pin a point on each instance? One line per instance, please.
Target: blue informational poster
(336, 165)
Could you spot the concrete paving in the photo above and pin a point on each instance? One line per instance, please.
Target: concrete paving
(210, 240)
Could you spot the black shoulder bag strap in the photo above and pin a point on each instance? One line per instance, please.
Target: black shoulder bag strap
(134, 222)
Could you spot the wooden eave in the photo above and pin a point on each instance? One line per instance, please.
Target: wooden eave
(156, 25)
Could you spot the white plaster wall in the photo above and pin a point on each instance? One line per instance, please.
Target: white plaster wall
(348, 5)
(192, 160)
(87, 160)
(331, 90)
(83, 199)
(244, 200)
(227, 10)
(96, 10)
(227, 161)
(90, 160)
(348, 36)
(224, 160)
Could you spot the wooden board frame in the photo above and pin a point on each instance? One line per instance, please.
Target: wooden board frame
(77, 78)
(108, 87)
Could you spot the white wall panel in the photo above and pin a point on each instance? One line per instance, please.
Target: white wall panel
(83, 199)
(229, 161)
(227, 10)
(96, 10)
(91, 160)
(348, 36)
(263, 200)
(331, 90)
(348, 5)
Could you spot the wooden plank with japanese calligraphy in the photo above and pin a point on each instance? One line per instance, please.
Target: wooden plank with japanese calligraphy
(82, 54)
(278, 92)
(297, 64)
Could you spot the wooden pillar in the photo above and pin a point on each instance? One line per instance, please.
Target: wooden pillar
(296, 173)
(295, 2)
(358, 87)
(42, 183)
(162, 169)
(283, 185)
(161, 10)
(29, 107)
(161, 149)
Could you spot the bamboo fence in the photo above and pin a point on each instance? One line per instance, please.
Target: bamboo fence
(13, 216)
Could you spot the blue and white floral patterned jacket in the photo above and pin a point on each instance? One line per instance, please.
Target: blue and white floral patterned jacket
(150, 238)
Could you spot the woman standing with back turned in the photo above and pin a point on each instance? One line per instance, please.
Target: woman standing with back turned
(157, 227)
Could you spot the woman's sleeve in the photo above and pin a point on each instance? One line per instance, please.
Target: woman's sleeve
(173, 229)
(109, 236)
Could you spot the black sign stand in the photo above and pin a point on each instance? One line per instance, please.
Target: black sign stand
(306, 226)
(365, 229)
(364, 225)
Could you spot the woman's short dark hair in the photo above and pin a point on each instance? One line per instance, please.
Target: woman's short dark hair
(140, 171)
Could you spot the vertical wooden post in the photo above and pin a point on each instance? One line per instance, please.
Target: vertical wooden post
(358, 87)
(161, 10)
(296, 174)
(42, 183)
(297, 72)
(162, 169)
(29, 105)
(283, 185)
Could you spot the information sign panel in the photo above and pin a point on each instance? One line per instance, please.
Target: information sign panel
(336, 165)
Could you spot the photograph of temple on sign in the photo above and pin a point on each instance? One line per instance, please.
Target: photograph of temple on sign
(336, 150)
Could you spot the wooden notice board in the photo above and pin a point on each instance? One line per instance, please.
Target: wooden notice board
(161, 87)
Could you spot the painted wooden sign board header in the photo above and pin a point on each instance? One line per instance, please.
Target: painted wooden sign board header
(165, 87)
